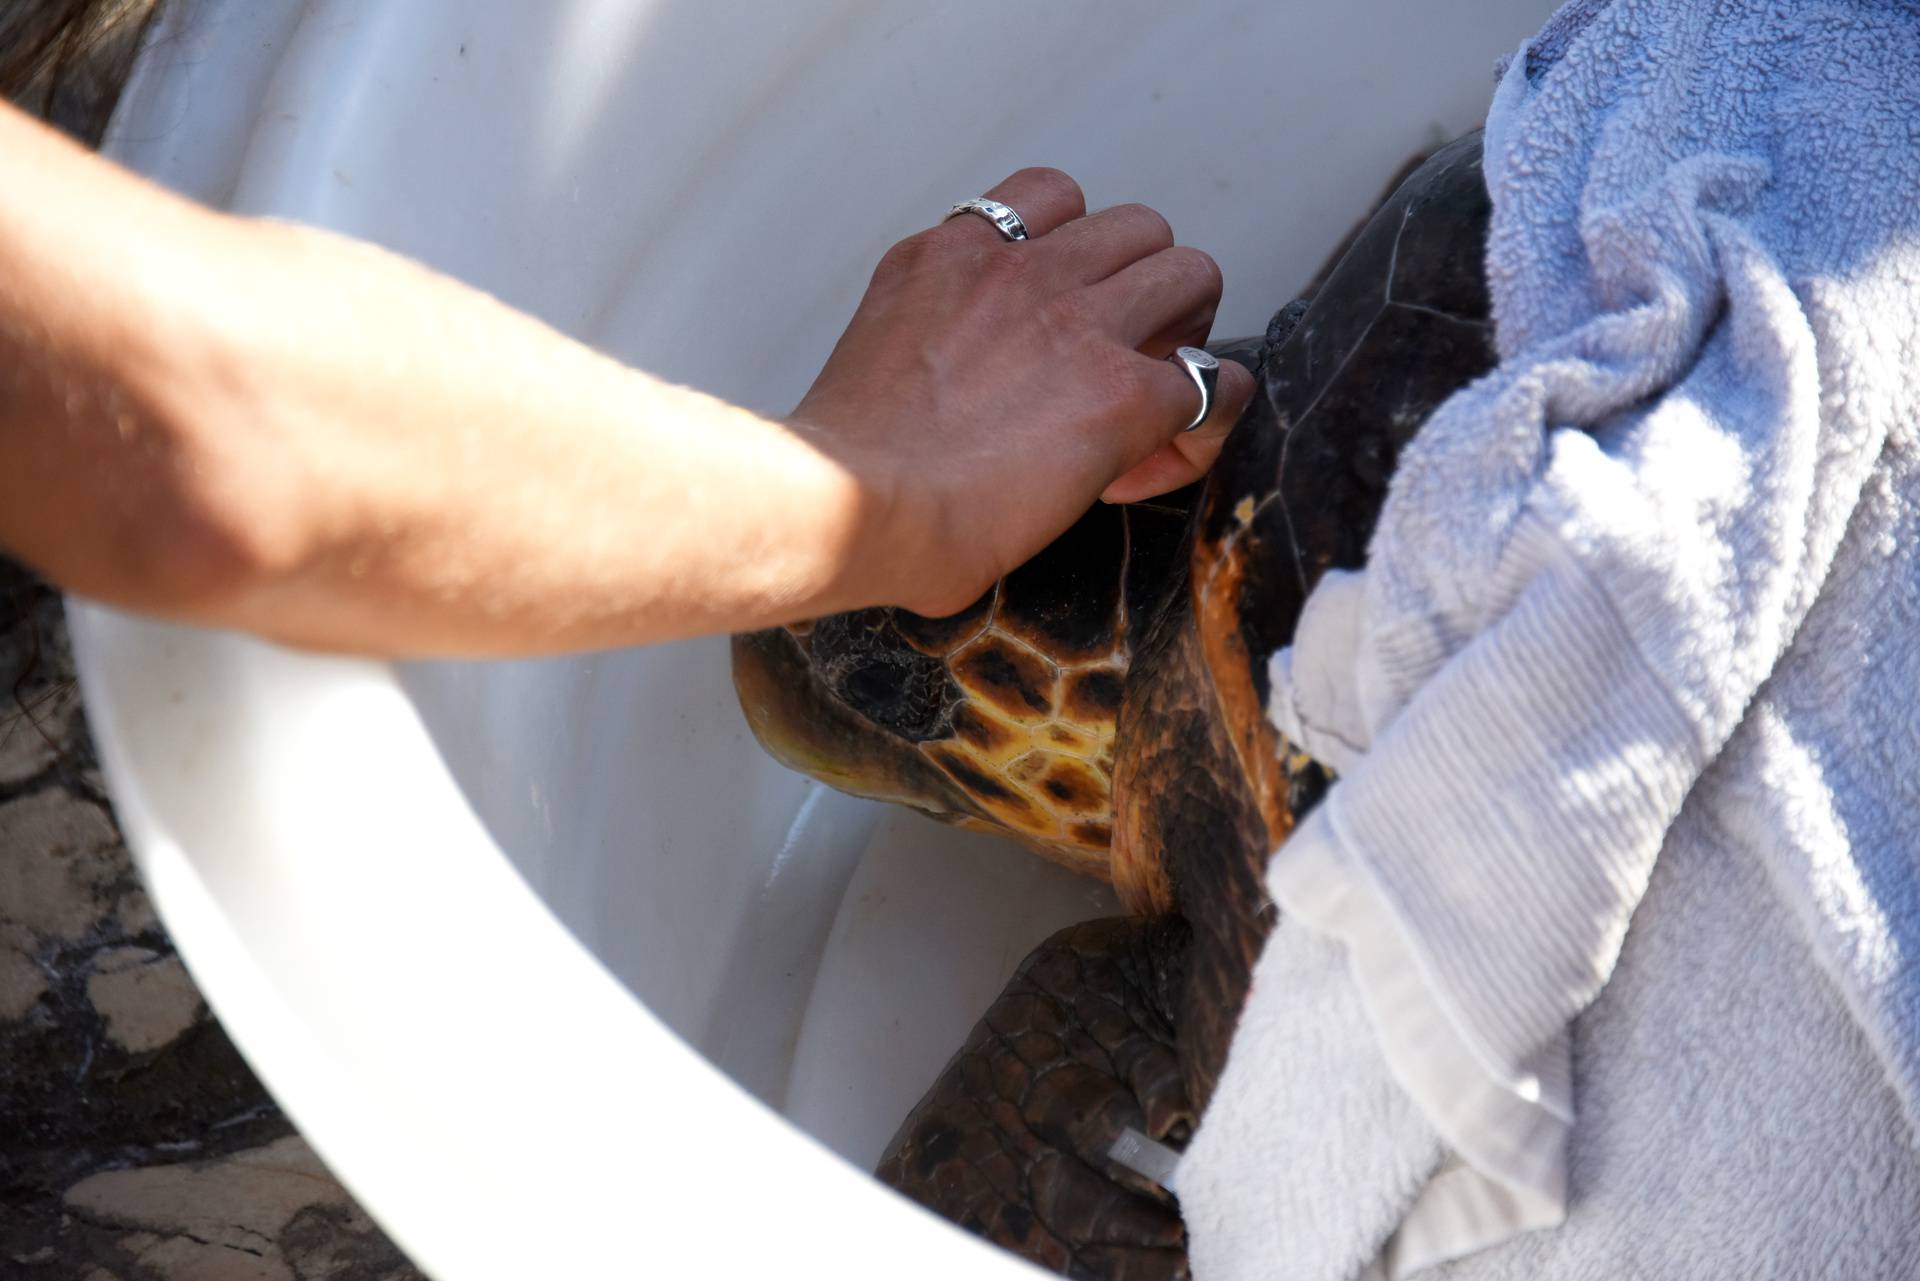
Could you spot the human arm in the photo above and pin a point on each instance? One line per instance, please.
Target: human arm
(260, 426)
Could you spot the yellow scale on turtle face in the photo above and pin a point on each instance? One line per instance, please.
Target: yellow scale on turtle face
(1001, 717)
(1032, 743)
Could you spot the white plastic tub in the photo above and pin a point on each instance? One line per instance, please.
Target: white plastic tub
(489, 930)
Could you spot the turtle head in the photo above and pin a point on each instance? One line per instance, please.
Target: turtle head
(1000, 717)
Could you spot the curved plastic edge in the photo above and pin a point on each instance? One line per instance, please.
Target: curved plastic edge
(546, 1123)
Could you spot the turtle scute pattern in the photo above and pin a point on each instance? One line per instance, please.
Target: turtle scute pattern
(1402, 321)
(1012, 1141)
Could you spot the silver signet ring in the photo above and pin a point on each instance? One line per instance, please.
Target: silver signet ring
(1205, 372)
(1004, 219)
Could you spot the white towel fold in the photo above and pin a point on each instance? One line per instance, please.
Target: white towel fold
(1664, 554)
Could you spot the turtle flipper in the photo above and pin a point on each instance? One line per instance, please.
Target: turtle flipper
(1012, 1141)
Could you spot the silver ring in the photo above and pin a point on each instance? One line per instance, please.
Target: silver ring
(1003, 218)
(1205, 372)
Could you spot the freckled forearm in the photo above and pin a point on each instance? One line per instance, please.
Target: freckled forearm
(270, 428)
(83, 466)
(257, 426)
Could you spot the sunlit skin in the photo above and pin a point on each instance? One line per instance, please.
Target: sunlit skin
(251, 425)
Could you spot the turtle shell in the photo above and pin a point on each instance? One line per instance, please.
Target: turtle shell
(1401, 323)
(1205, 788)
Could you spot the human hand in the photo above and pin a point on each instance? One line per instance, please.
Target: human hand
(987, 391)
(259, 426)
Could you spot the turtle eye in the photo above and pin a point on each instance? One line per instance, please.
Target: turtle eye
(866, 663)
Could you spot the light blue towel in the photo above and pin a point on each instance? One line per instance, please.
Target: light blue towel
(1666, 554)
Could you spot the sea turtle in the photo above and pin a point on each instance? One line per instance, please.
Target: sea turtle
(1127, 663)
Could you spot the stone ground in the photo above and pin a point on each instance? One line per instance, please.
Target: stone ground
(134, 1143)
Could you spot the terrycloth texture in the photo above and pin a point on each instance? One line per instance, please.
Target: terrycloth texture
(1664, 554)
(1341, 1150)
(1734, 1121)
(1736, 1124)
